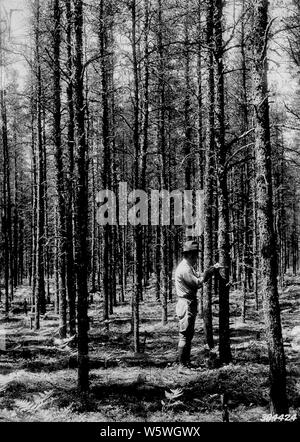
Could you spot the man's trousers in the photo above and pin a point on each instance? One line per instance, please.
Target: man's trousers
(186, 311)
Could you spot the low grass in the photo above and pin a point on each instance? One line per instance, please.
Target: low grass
(38, 375)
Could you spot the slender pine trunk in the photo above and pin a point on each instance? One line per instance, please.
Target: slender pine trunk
(268, 256)
(81, 203)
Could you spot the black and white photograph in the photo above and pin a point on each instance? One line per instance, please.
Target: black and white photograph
(149, 216)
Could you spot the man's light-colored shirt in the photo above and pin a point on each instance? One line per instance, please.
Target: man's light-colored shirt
(187, 281)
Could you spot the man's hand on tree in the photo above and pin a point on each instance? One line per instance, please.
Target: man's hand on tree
(218, 266)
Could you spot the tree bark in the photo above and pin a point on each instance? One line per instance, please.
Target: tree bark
(6, 221)
(40, 305)
(81, 203)
(223, 208)
(70, 215)
(103, 43)
(163, 243)
(138, 240)
(268, 261)
(208, 181)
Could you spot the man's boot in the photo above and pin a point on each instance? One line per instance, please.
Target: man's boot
(182, 354)
(188, 362)
(188, 353)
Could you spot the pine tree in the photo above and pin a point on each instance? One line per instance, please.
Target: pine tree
(265, 221)
(81, 203)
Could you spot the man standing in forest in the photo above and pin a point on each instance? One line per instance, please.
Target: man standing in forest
(187, 282)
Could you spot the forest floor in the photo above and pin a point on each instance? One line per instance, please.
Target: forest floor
(38, 375)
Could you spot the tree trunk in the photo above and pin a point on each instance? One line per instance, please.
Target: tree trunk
(40, 304)
(138, 244)
(188, 131)
(163, 172)
(34, 209)
(103, 43)
(81, 203)
(60, 184)
(6, 222)
(208, 183)
(223, 235)
(268, 262)
(70, 216)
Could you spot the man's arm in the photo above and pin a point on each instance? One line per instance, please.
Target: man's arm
(191, 280)
(210, 272)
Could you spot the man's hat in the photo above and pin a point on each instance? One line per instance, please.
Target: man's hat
(191, 246)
